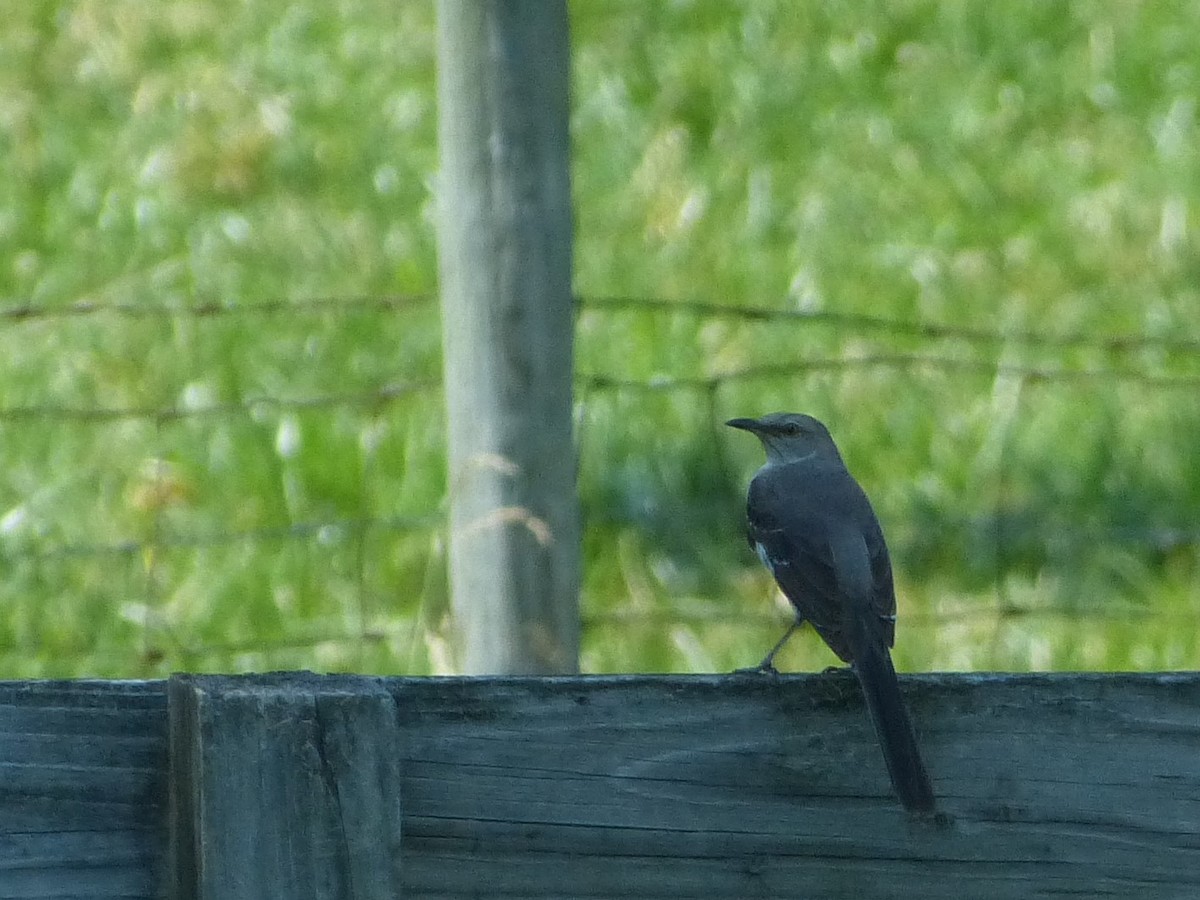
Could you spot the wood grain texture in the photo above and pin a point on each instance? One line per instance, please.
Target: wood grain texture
(672, 787)
(505, 233)
(82, 777)
(744, 787)
(284, 788)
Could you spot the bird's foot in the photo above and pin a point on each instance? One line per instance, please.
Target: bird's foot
(766, 667)
(831, 670)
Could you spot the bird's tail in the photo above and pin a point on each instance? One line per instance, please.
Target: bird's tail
(894, 728)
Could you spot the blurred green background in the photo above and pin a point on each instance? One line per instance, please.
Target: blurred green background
(220, 417)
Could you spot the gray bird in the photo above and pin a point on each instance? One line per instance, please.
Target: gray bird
(814, 528)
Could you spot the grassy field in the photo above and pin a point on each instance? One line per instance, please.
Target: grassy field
(235, 461)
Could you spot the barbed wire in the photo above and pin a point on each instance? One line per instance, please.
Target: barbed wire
(739, 615)
(861, 322)
(892, 360)
(600, 382)
(27, 311)
(977, 355)
(329, 530)
(17, 312)
(250, 405)
(736, 615)
(1156, 538)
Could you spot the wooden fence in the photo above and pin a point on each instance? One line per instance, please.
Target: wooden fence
(302, 786)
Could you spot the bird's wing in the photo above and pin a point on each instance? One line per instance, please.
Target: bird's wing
(815, 530)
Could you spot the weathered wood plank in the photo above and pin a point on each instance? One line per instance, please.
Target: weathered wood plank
(672, 787)
(735, 787)
(284, 787)
(82, 778)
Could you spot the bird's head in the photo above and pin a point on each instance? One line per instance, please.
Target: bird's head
(790, 437)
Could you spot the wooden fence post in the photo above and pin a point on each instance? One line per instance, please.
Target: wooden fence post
(283, 789)
(504, 252)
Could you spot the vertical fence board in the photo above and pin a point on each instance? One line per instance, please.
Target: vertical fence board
(284, 788)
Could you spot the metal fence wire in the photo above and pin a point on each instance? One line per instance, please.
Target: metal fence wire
(377, 562)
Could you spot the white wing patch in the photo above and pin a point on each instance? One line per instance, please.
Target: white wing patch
(767, 561)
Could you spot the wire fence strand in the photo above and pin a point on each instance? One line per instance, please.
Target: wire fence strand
(940, 349)
(856, 323)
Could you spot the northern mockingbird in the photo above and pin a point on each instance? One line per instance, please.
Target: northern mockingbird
(814, 528)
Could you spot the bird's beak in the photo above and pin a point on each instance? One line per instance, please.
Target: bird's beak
(745, 424)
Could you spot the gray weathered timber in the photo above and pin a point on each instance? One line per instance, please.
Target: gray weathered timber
(504, 261)
(748, 786)
(303, 786)
(284, 788)
(82, 789)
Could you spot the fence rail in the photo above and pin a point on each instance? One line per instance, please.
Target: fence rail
(297, 786)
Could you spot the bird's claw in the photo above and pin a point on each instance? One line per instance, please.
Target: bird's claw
(763, 668)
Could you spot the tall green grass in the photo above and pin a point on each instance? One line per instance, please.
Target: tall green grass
(261, 485)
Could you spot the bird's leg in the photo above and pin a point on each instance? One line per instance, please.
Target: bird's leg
(767, 666)
(768, 663)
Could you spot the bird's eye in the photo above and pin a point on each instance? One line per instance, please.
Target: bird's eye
(792, 428)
